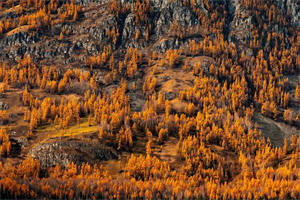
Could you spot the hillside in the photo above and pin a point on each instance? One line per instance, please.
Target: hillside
(152, 99)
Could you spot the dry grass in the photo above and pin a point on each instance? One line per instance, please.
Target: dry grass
(76, 130)
(167, 151)
(275, 130)
(24, 28)
(204, 60)
(269, 129)
(174, 80)
(178, 105)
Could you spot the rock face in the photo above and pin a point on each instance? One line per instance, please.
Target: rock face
(65, 152)
(239, 28)
(291, 7)
(88, 35)
(171, 11)
(3, 106)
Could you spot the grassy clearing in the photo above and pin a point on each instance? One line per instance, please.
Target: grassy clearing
(75, 130)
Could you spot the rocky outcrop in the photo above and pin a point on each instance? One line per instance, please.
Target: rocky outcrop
(65, 152)
(171, 11)
(3, 106)
(88, 2)
(239, 27)
(129, 30)
(292, 8)
(21, 38)
(164, 14)
(88, 35)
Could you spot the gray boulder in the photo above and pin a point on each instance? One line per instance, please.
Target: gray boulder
(65, 152)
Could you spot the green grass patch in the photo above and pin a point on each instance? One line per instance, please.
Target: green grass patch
(54, 131)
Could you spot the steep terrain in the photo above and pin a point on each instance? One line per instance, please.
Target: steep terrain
(150, 99)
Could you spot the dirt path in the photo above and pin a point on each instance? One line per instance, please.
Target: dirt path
(276, 131)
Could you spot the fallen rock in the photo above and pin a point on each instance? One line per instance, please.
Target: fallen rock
(65, 152)
(22, 141)
(3, 106)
